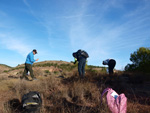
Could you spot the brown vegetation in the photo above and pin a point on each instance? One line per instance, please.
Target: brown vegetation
(63, 92)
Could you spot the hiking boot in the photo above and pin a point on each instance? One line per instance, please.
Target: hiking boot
(24, 77)
(34, 79)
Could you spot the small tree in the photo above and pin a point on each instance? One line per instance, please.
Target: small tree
(140, 60)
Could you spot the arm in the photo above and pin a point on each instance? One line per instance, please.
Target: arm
(32, 58)
(75, 61)
(106, 62)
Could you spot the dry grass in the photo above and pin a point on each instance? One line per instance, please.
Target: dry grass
(71, 94)
(63, 96)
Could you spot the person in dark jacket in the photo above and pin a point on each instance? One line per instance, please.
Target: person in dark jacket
(111, 64)
(28, 65)
(81, 59)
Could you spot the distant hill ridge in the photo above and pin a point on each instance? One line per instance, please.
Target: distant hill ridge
(4, 65)
(48, 63)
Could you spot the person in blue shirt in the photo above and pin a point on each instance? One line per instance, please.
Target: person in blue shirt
(28, 65)
(111, 64)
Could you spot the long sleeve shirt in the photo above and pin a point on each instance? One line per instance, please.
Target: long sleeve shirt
(106, 62)
(75, 60)
(30, 58)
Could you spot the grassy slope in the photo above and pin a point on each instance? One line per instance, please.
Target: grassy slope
(63, 92)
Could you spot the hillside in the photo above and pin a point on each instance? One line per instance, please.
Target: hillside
(63, 92)
(4, 67)
(45, 67)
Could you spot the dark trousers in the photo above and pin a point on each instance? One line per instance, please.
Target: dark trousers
(111, 65)
(28, 67)
(81, 67)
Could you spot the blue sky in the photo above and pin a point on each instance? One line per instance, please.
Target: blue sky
(56, 28)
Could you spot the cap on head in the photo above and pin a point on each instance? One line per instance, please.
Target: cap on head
(34, 50)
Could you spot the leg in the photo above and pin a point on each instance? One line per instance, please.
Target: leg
(83, 68)
(80, 68)
(111, 65)
(30, 70)
(25, 72)
(110, 69)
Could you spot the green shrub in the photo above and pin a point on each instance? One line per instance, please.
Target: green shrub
(55, 72)
(5, 71)
(47, 71)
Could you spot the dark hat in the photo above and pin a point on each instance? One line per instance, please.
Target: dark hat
(34, 50)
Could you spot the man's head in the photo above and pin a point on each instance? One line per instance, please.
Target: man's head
(34, 51)
(103, 63)
(79, 50)
(74, 55)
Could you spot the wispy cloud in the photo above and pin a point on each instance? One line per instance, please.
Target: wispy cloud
(111, 38)
(10, 36)
(88, 27)
(15, 44)
(26, 3)
(2, 13)
(75, 16)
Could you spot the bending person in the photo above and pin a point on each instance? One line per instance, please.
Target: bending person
(111, 64)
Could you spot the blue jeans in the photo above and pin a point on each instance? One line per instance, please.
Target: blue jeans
(81, 67)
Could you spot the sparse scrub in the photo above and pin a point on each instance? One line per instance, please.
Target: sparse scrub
(67, 67)
(56, 72)
(73, 95)
(38, 72)
(46, 65)
(47, 71)
(5, 71)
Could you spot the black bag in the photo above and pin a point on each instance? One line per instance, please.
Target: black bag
(80, 53)
(31, 102)
(84, 54)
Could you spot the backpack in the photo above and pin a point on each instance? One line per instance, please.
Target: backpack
(116, 103)
(84, 54)
(31, 102)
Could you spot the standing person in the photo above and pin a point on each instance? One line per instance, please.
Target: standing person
(28, 65)
(111, 64)
(81, 57)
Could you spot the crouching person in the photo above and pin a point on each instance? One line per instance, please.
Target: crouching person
(80, 57)
(31, 102)
(111, 64)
